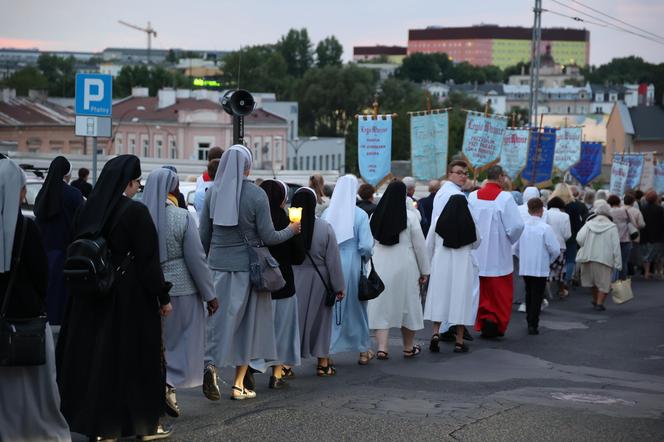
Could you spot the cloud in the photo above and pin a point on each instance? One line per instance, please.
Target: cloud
(24, 43)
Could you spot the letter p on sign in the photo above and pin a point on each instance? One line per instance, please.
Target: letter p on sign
(90, 85)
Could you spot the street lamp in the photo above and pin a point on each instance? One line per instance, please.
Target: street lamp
(117, 126)
(297, 144)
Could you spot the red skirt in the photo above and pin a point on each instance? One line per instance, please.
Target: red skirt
(495, 302)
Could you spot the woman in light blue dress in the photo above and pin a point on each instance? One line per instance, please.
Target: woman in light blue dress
(351, 228)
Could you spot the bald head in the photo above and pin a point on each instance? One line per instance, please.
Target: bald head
(434, 186)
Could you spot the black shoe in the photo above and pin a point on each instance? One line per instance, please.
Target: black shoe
(600, 307)
(433, 345)
(248, 382)
(460, 348)
(533, 331)
(210, 385)
(277, 384)
(467, 336)
(489, 329)
(449, 335)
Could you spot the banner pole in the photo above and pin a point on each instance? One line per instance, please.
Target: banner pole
(537, 149)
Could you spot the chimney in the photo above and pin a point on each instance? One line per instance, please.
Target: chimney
(37, 94)
(166, 97)
(182, 93)
(140, 92)
(7, 94)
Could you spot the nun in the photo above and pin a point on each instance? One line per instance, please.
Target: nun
(351, 228)
(401, 259)
(55, 206)
(109, 351)
(321, 271)
(183, 262)
(236, 215)
(284, 302)
(454, 288)
(29, 395)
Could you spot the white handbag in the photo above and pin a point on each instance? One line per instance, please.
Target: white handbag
(621, 291)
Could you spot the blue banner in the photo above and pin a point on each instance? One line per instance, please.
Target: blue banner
(483, 138)
(659, 178)
(619, 174)
(635, 161)
(541, 150)
(589, 166)
(374, 148)
(514, 152)
(428, 143)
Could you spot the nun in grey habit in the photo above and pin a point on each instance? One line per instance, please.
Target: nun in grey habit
(29, 397)
(322, 252)
(236, 212)
(184, 265)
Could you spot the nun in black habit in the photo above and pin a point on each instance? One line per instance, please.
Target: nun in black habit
(55, 206)
(110, 366)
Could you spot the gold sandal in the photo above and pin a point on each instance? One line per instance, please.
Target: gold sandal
(365, 357)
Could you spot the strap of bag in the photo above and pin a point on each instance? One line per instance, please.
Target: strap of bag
(319, 273)
(14, 269)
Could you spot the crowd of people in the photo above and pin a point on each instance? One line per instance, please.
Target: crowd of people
(188, 296)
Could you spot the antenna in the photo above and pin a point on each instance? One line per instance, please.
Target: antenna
(239, 67)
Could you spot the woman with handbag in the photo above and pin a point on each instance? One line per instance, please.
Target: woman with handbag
(401, 258)
(319, 282)
(23, 260)
(110, 360)
(183, 262)
(236, 218)
(626, 226)
(351, 227)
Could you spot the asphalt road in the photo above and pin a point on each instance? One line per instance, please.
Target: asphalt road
(587, 376)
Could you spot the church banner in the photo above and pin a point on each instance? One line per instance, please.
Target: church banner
(568, 148)
(635, 161)
(514, 153)
(428, 143)
(589, 166)
(659, 178)
(648, 173)
(619, 174)
(541, 150)
(483, 139)
(374, 147)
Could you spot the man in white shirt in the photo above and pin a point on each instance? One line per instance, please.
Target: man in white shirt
(537, 249)
(500, 226)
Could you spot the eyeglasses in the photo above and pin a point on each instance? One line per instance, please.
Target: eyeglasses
(460, 172)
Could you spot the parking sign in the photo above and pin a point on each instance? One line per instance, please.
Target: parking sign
(94, 95)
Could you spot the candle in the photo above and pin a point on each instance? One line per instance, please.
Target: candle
(295, 214)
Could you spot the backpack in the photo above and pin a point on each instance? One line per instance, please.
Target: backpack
(88, 267)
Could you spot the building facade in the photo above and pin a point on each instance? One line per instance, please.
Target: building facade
(389, 54)
(486, 45)
(635, 129)
(317, 154)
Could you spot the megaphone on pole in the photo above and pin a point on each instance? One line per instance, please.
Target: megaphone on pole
(238, 103)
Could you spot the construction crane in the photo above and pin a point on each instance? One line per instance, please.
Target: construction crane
(149, 30)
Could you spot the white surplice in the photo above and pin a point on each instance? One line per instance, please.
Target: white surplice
(537, 248)
(500, 225)
(453, 293)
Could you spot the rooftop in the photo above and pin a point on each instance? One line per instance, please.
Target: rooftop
(380, 50)
(493, 31)
(21, 111)
(648, 122)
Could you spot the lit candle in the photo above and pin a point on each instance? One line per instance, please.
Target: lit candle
(295, 214)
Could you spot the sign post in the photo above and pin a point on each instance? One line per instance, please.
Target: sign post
(94, 108)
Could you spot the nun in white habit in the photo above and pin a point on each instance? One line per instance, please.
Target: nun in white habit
(184, 265)
(236, 212)
(29, 397)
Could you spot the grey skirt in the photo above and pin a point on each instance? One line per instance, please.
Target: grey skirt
(184, 341)
(35, 415)
(287, 334)
(243, 329)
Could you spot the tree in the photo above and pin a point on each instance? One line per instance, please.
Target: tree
(171, 57)
(257, 68)
(329, 52)
(60, 73)
(154, 78)
(420, 68)
(296, 48)
(26, 79)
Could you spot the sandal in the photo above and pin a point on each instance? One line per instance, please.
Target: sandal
(382, 355)
(412, 353)
(433, 345)
(287, 373)
(460, 348)
(244, 394)
(324, 371)
(365, 357)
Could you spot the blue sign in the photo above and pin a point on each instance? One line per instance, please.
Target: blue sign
(428, 143)
(635, 161)
(483, 139)
(589, 166)
(94, 95)
(659, 177)
(541, 151)
(374, 148)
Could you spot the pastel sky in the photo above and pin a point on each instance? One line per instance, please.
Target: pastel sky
(226, 25)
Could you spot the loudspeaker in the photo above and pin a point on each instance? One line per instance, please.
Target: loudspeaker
(238, 102)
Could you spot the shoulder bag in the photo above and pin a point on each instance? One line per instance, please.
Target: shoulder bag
(370, 285)
(633, 231)
(22, 341)
(264, 272)
(330, 296)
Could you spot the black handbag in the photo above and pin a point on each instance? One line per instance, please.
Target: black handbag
(370, 285)
(264, 272)
(22, 341)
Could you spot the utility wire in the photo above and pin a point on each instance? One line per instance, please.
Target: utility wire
(579, 19)
(617, 19)
(605, 23)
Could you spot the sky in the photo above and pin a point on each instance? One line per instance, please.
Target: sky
(78, 25)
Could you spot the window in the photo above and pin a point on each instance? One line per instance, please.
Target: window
(327, 162)
(301, 163)
(173, 149)
(132, 145)
(333, 166)
(118, 144)
(339, 165)
(146, 147)
(277, 149)
(158, 148)
(320, 161)
(56, 145)
(203, 149)
(267, 150)
(308, 165)
(314, 161)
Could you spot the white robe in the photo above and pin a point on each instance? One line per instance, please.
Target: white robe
(454, 285)
(400, 267)
(537, 248)
(500, 225)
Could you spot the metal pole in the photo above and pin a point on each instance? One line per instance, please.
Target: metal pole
(94, 160)
(535, 63)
